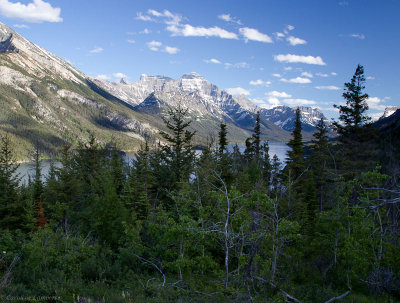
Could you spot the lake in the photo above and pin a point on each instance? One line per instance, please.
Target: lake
(28, 169)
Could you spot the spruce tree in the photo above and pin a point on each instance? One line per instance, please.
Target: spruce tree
(37, 190)
(295, 159)
(13, 214)
(266, 165)
(319, 159)
(356, 134)
(256, 138)
(179, 153)
(352, 115)
(222, 139)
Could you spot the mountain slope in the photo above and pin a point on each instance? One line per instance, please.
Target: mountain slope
(205, 101)
(47, 103)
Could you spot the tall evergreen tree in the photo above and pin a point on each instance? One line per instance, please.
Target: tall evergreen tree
(37, 190)
(178, 153)
(295, 159)
(352, 115)
(356, 134)
(266, 165)
(319, 159)
(256, 138)
(222, 139)
(13, 214)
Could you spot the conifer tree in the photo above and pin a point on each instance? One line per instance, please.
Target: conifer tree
(295, 159)
(249, 151)
(222, 139)
(310, 206)
(352, 115)
(178, 153)
(224, 160)
(13, 214)
(356, 134)
(319, 159)
(275, 173)
(256, 138)
(37, 179)
(266, 165)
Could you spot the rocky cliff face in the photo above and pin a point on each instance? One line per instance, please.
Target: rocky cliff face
(45, 102)
(7, 45)
(390, 110)
(285, 116)
(206, 99)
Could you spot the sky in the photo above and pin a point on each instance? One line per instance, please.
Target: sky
(286, 52)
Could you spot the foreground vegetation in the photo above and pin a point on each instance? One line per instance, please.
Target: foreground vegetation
(225, 226)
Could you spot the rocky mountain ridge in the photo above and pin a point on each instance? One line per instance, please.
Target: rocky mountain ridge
(47, 103)
(204, 98)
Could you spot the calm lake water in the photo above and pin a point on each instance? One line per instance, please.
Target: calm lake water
(28, 169)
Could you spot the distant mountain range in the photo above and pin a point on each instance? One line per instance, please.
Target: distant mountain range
(46, 102)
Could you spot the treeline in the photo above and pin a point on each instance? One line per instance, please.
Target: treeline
(222, 226)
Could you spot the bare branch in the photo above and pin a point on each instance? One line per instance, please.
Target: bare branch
(338, 297)
(154, 265)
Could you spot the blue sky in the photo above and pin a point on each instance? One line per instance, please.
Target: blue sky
(286, 52)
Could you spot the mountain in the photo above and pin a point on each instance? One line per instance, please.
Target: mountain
(390, 110)
(285, 116)
(47, 103)
(207, 104)
(207, 101)
(390, 126)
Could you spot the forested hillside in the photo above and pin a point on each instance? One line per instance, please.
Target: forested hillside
(173, 226)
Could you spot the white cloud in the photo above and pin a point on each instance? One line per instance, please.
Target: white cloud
(238, 91)
(273, 102)
(322, 75)
(154, 45)
(212, 60)
(279, 35)
(329, 87)
(375, 103)
(171, 18)
(333, 74)
(290, 27)
(188, 30)
(376, 116)
(260, 82)
(277, 94)
(140, 16)
(295, 41)
(166, 17)
(343, 3)
(102, 77)
(297, 80)
(171, 50)
(37, 11)
(21, 26)
(277, 75)
(288, 68)
(229, 18)
(131, 41)
(370, 78)
(120, 75)
(237, 65)
(289, 58)
(297, 102)
(254, 34)
(146, 31)
(358, 36)
(307, 74)
(96, 50)
(154, 13)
